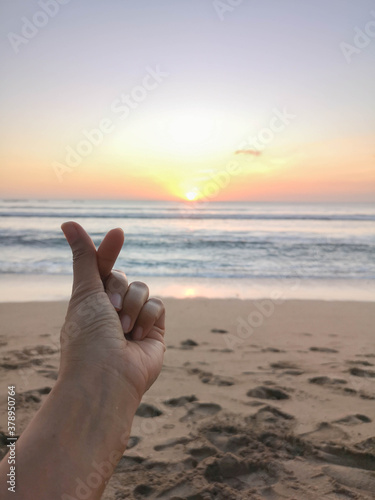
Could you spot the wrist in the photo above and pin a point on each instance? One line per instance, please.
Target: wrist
(99, 393)
(82, 429)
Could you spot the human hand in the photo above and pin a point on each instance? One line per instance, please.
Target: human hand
(102, 309)
(81, 430)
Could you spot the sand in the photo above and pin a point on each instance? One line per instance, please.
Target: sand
(281, 409)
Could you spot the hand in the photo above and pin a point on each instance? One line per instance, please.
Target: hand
(101, 310)
(82, 429)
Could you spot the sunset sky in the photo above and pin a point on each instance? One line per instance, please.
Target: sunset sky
(186, 93)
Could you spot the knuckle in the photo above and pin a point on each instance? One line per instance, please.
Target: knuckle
(139, 285)
(119, 275)
(158, 302)
(81, 253)
(116, 283)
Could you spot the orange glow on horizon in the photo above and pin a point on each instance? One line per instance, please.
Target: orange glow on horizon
(329, 170)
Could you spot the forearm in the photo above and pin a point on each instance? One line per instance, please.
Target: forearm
(75, 439)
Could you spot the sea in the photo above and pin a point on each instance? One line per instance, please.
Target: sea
(230, 249)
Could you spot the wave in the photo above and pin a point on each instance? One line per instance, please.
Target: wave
(278, 242)
(185, 215)
(48, 269)
(164, 240)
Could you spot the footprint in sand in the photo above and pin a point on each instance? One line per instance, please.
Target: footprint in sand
(270, 414)
(347, 457)
(181, 490)
(40, 350)
(368, 445)
(143, 491)
(128, 462)
(269, 421)
(295, 373)
(271, 349)
(15, 366)
(49, 373)
(200, 453)
(146, 410)
(221, 350)
(359, 372)
(283, 365)
(201, 410)
(323, 349)
(353, 419)
(14, 360)
(188, 344)
(359, 479)
(170, 443)
(239, 473)
(181, 401)
(326, 432)
(210, 378)
(338, 384)
(27, 357)
(133, 441)
(253, 403)
(218, 330)
(359, 362)
(32, 396)
(323, 380)
(227, 438)
(263, 392)
(232, 458)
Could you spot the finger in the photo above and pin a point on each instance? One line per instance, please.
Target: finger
(109, 250)
(85, 267)
(116, 287)
(152, 314)
(135, 297)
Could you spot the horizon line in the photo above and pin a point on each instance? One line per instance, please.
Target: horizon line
(186, 202)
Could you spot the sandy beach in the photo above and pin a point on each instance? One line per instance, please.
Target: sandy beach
(221, 153)
(256, 399)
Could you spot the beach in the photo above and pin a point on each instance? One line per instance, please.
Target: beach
(260, 399)
(220, 155)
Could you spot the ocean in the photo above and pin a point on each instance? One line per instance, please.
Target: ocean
(234, 245)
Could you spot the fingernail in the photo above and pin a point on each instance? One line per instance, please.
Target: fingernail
(137, 335)
(70, 232)
(116, 300)
(126, 320)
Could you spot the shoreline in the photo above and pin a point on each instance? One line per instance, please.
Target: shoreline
(28, 288)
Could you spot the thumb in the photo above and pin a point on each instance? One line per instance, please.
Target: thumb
(85, 267)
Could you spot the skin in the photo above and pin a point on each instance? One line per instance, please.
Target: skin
(112, 348)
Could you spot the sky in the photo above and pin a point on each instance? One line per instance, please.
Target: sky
(263, 100)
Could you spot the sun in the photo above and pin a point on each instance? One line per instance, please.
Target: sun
(191, 195)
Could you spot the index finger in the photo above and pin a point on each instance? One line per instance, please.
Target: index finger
(109, 250)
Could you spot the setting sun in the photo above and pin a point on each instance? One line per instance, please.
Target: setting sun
(191, 195)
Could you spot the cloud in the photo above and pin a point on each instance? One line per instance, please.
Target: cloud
(252, 152)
